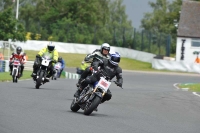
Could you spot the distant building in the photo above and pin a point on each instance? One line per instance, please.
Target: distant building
(188, 30)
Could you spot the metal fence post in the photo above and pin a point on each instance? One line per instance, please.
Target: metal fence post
(168, 45)
(142, 40)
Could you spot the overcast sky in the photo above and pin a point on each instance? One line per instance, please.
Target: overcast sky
(135, 10)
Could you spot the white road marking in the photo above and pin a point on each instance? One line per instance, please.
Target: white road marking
(196, 94)
(175, 85)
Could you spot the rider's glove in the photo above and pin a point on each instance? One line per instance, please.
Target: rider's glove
(54, 61)
(38, 56)
(118, 84)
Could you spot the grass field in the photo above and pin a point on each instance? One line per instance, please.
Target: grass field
(74, 60)
(192, 87)
(5, 76)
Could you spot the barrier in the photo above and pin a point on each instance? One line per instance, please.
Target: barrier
(2, 65)
(69, 75)
(175, 66)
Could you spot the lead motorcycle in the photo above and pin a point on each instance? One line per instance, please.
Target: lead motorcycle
(16, 72)
(91, 96)
(43, 71)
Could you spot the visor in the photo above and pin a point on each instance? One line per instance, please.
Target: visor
(115, 59)
(106, 48)
(51, 48)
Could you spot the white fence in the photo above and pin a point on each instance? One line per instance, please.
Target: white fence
(125, 52)
(28, 65)
(175, 66)
(84, 49)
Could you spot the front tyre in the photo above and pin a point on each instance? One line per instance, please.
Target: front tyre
(91, 107)
(74, 106)
(14, 75)
(39, 80)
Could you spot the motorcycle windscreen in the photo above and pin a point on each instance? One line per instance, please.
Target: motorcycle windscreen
(47, 56)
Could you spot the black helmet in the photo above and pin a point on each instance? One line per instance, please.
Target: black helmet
(115, 58)
(59, 59)
(18, 50)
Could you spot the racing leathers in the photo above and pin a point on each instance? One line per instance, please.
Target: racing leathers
(53, 54)
(93, 57)
(107, 69)
(19, 57)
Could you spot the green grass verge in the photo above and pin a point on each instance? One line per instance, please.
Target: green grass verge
(74, 60)
(5, 76)
(195, 87)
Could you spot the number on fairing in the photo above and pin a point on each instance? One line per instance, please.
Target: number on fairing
(16, 63)
(104, 84)
(45, 62)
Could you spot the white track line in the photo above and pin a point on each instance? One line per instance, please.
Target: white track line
(196, 94)
(175, 85)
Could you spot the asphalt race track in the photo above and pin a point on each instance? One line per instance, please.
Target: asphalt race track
(149, 103)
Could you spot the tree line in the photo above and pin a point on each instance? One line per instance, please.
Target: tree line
(85, 21)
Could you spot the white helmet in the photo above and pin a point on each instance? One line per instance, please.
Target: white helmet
(105, 46)
(50, 46)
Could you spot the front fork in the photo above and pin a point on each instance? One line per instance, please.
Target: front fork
(99, 94)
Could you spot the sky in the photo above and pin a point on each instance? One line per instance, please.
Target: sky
(135, 9)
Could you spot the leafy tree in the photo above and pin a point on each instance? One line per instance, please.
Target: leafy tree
(77, 21)
(10, 28)
(163, 19)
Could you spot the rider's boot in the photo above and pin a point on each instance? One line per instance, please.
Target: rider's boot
(34, 73)
(78, 92)
(10, 72)
(96, 109)
(47, 78)
(21, 72)
(79, 82)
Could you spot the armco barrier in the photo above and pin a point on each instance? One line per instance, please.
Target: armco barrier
(69, 75)
(2, 65)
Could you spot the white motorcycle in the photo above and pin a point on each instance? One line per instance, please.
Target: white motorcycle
(57, 69)
(16, 72)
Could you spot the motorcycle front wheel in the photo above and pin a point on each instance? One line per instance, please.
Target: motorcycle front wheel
(74, 106)
(39, 80)
(14, 76)
(90, 107)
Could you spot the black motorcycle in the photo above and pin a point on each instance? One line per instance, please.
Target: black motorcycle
(43, 71)
(91, 96)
